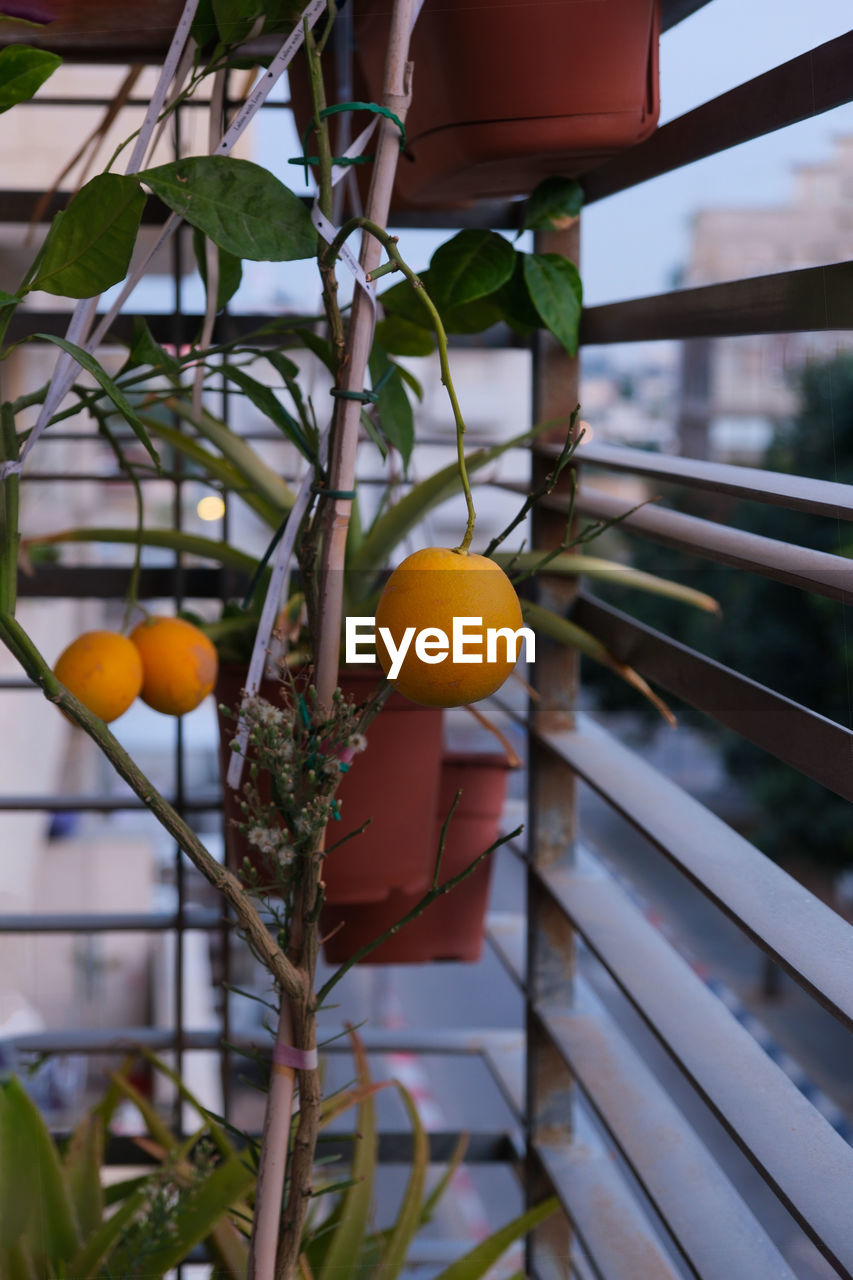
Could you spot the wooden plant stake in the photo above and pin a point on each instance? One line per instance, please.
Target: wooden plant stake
(296, 1033)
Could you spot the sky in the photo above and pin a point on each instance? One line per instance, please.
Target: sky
(632, 243)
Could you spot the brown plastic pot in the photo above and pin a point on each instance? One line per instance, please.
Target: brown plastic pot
(453, 927)
(394, 783)
(506, 94)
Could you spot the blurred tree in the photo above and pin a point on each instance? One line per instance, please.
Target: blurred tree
(796, 643)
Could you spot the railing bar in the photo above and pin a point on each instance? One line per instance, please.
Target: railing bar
(98, 804)
(796, 493)
(612, 1228)
(816, 746)
(108, 922)
(705, 1214)
(810, 940)
(808, 85)
(807, 300)
(797, 1152)
(801, 567)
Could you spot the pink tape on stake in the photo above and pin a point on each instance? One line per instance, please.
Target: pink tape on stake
(285, 1055)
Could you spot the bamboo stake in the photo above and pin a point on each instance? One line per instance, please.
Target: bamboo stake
(297, 1022)
(396, 95)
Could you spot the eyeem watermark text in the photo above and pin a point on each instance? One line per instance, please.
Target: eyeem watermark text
(468, 642)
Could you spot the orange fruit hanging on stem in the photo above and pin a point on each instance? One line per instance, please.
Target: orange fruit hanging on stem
(461, 597)
(179, 664)
(103, 670)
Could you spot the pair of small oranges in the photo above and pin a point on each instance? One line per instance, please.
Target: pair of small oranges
(167, 662)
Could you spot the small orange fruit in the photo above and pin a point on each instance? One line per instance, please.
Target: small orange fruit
(104, 670)
(179, 664)
(427, 592)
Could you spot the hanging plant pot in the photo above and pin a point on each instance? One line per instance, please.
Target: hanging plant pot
(453, 927)
(393, 784)
(507, 94)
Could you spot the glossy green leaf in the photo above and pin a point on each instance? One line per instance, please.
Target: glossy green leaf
(404, 338)
(89, 247)
(236, 20)
(230, 274)
(403, 300)
(34, 1202)
(145, 351)
(349, 1235)
(83, 1162)
(553, 205)
(239, 205)
(113, 391)
(477, 1262)
(555, 289)
(516, 303)
(473, 317)
(23, 70)
(471, 265)
(393, 405)
(204, 30)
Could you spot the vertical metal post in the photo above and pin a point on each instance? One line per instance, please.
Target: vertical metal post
(552, 824)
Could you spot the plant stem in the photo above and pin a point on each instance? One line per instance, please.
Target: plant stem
(9, 536)
(257, 934)
(324, 182)
(437, 891)
(389, 244)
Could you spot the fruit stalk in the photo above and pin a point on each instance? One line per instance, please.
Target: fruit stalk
(9, 534)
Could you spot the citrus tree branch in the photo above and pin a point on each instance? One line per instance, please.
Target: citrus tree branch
(265, 948)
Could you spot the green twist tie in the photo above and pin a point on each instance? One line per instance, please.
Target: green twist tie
(366, 397)
(333, 493)
(377, 110)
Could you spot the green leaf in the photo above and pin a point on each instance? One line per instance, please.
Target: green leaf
(612, 571)
(348, 1239)
(145, 351)
(374, 434)
(516, 303)
(409, 1216)
(473, 317)
(88, 1261)
(239, 205)
(553, 205)
(113, 391)
(477, 1261)
(172, 539)
(270, 406)
(15, 1263)
(555, 288)
(471, 265)
(393, 406)
(34, 1202)
(203, 29)
(230, 270)
(89, 247)
(403, 300)
(403, 337)
(237, 19)
(23, 70)
(83, 1162)
(267, 483)
(569, 633)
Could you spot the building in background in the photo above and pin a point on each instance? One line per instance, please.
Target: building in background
(733, 391)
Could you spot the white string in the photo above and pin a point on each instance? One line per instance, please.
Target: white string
(66, 366)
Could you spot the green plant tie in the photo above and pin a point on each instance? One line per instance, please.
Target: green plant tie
(333, 493)
(306, 160)
(366, 397)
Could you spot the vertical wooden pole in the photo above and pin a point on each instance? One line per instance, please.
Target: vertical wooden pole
(552, 825)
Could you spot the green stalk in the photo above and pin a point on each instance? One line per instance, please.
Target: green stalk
(9, 536)
(389, 244)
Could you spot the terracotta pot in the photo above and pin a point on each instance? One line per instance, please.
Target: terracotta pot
(453, 927)
(506, 94)
(394, 783)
